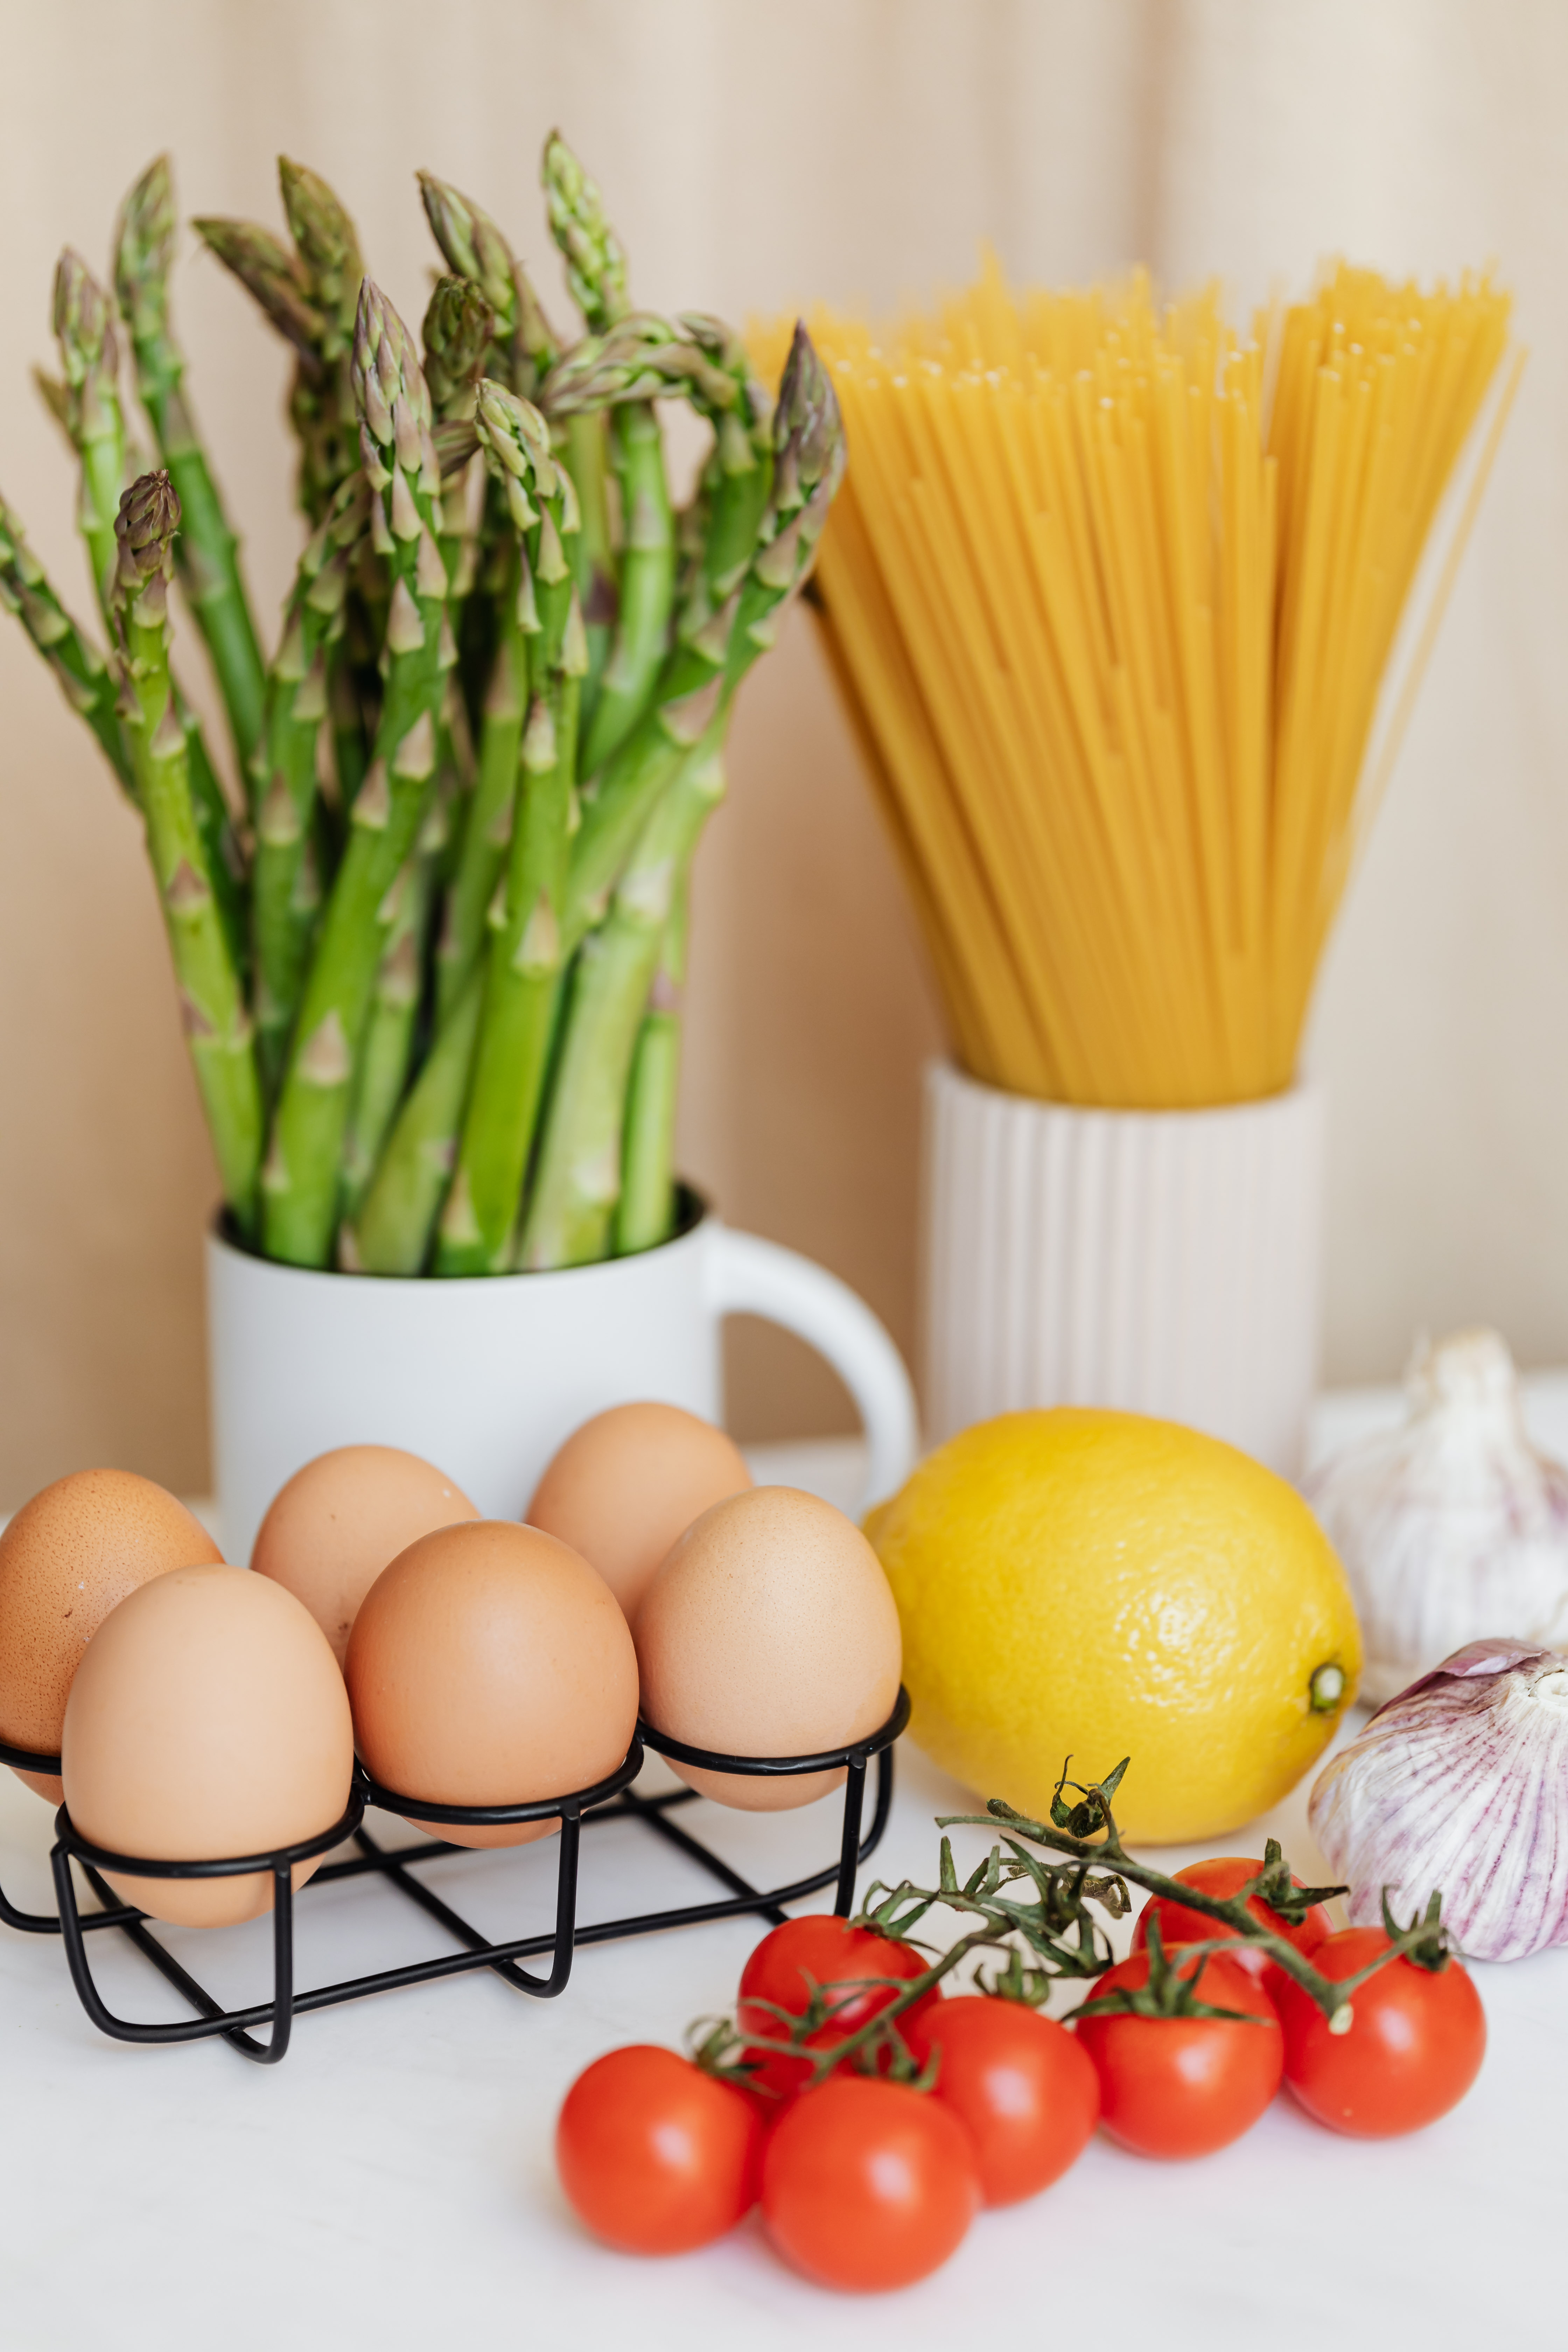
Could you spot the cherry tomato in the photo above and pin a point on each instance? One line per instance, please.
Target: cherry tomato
(868, 2184)
(655, 2156)
(1413, 2049)
(1226, 1875)
(819, 1951)
(1185, 2085)
(1021, 2084)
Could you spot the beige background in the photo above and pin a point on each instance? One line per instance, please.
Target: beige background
(756, 156)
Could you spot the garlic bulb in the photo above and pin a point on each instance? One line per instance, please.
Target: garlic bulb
(1452, 1528)
(1460, 1784)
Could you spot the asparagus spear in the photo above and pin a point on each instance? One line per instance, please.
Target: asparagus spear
(94, 421)
(524, 347)
(596, 272)
(487, 824)
(660, 799)
(595, 263)
(300, 1184)
(522, 964)
(704, 362)
(309, 317)
(217, 1024)
(585, 442)
(90, 411)
(645, 1212)
(571, 1211)
(392, 1234)
(459, 326)
(207, 551)
(700, 679)
(85, 679)
(384, 1057)
(285, 892)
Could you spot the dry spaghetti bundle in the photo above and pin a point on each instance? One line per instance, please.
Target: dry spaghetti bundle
(1111, 594)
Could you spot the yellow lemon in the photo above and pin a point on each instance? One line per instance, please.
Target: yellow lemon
(1099, 1585)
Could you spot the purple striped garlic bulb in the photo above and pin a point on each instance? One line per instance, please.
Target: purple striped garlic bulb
(1451, 1525)
(1460, 1784)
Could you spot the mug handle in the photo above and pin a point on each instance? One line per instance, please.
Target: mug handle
(747, 1275)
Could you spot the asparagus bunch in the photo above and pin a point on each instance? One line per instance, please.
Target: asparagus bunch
(430, 931)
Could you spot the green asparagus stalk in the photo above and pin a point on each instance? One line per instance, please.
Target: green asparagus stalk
(207, 551)
(300, 1184)
(393, 1229)
(309, 297)
(703, 361)
(661, 798)
(285, 890)
(459, 326)
(523, 964)
(701, 677)
(95, 424)
(646, 1214)
(217, 1024)
(572, 1212)
(647, 590)
(488, 824)
(585, 442)
(385, 1058)
(738, 475)
(596, 272)
(84, 677)
(89, 355)
(328, 245)
(595, 263)
(524, 346)
(322, 410)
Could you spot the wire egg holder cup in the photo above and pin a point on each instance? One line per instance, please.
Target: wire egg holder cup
(613, 1798)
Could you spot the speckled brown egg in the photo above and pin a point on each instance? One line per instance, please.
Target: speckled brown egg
(328, 1533)
(770, 1630)
(66, 1559)
(628, 1483)
(490, 1665)
(208, 1719)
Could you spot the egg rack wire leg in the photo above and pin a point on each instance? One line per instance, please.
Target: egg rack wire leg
(280, 2011)
(563, 1943)
(849, 1845)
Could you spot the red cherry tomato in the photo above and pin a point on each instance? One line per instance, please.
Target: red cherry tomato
(1412, 2050)
(819, 1951)
(1226, 1875)
(655, 2156)
(1021, 2084)
(868, 2184)
(1185, 2085)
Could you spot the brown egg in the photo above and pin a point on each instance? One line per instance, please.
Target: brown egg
(66, 1559)
(490, 1665)
(769, 1631)
(628, 1483)
(328, 1533)
(208, 1719)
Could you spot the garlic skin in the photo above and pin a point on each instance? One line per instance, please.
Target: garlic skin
(1460, 1784)
(1452, 1524)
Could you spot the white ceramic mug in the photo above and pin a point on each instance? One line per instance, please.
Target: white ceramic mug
(485, 1377)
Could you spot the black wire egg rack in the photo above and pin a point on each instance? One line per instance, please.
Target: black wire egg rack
(611, 1799)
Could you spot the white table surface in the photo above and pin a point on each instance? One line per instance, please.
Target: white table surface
(390, 2185)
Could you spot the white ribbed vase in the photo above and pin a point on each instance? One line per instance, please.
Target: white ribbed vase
(1162, 1262)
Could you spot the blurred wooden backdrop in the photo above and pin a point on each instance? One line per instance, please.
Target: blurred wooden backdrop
(755, 156)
